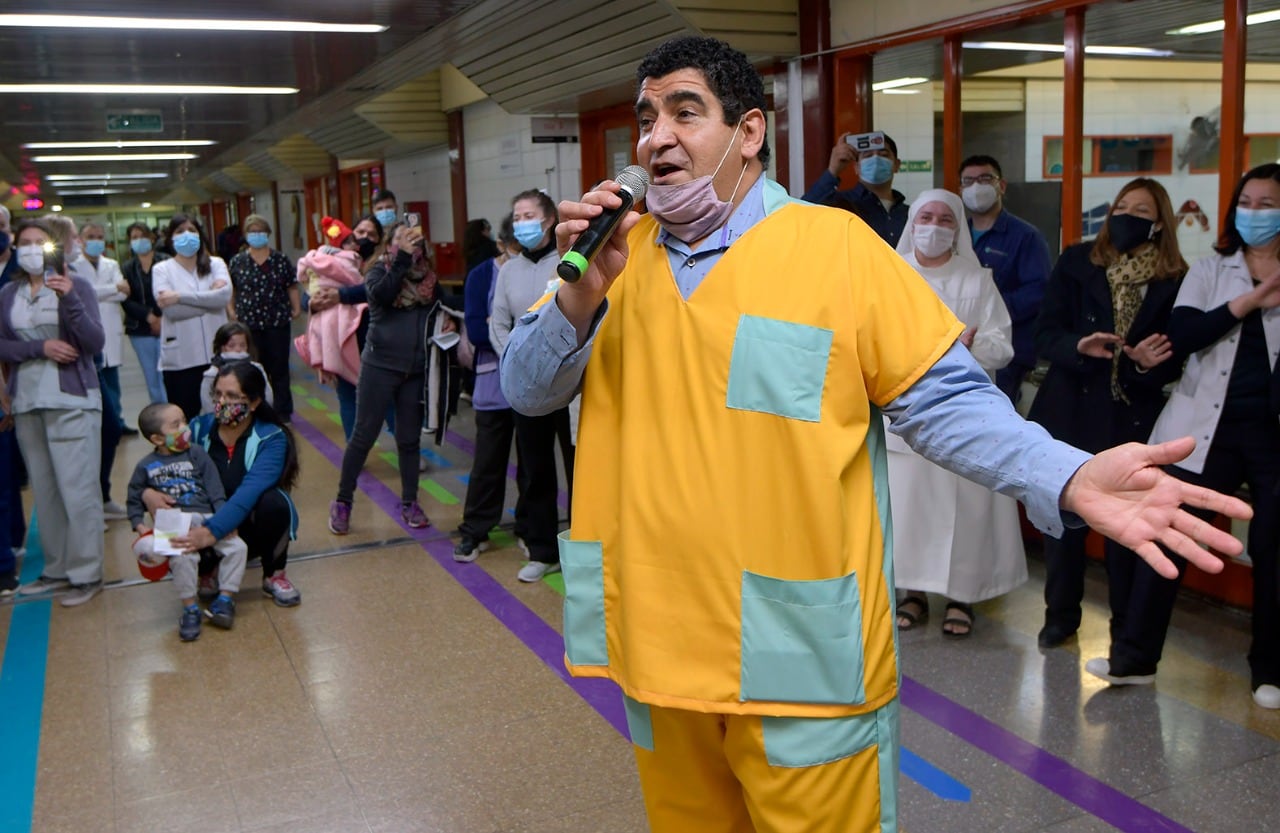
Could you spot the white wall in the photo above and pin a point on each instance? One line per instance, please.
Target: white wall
(908, 119)
(425, 176)
(502, 161)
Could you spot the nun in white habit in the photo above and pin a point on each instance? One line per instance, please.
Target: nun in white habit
(952, 536)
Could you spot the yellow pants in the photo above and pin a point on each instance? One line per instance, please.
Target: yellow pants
(717, 773)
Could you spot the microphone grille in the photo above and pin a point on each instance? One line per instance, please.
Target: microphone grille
(635, 179)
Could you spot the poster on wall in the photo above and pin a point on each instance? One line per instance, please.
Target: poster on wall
(293, 220)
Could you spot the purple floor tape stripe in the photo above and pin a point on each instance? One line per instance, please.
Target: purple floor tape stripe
(1047, 770)
(528, 627)
(466, 446)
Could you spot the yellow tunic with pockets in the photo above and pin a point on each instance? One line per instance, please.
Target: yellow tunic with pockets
(729, 550)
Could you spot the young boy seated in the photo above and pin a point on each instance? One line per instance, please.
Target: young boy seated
(187, 474)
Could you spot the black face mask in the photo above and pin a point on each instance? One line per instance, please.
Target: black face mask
(366, 247)
(1129, 232)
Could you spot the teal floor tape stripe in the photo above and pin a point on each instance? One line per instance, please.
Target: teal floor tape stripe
(21, 702)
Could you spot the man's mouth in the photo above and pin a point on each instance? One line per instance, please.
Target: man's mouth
(663, 170)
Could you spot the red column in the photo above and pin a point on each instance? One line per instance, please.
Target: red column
(1231, 127)
(457, 176)
(1072, 126)
(952, 112)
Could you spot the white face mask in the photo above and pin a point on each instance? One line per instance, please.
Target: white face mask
(979, 198)
(933, 241)
(31, 258)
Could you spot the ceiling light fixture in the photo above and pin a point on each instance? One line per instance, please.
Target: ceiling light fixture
(1218, 25)
(900, 92)
(55, 208)
(897, 82)
(117, 157)
(144, 89)
(77, 21)
(121, 143)
(1018, 46)
(76, 177)
(144, 205)
(99, 192)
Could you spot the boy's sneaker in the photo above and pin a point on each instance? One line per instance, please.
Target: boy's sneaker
(281, 590)
(535, 570)
(207, 590)
(44, 584)
(113, 511)
(469, 549)
(339, 517)
(8, 585)
(80, 593)
(189, 624)
(223, 612)
(413, 516)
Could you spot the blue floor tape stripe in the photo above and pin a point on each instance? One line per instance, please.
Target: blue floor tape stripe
(21, 702)
(931, 778)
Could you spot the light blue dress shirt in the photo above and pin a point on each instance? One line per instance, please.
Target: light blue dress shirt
(953, 415)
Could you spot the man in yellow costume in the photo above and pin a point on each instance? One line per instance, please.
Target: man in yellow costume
(730, 561)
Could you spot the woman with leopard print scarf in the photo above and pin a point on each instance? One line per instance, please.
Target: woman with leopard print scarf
(1103, 328)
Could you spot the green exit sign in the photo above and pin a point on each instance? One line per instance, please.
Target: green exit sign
(916, 166)
(138, 121)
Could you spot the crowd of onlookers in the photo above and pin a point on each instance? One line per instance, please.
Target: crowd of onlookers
(1137, 346)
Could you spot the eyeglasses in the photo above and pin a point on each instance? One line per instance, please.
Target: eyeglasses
(981, 179)
(232, 398)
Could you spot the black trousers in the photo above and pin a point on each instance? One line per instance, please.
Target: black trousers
(266, 531)
(376, 390)
(487, 486)
(536, 439)
(1242, 452)
(183, 388)
(274, 346)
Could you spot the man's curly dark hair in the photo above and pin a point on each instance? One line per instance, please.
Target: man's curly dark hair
(728, 72)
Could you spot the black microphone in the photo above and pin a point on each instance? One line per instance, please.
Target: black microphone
(634, 181)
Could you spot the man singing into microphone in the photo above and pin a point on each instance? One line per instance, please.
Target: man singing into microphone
(729, 564)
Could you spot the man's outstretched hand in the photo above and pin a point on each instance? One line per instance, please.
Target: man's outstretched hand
(1123, 494)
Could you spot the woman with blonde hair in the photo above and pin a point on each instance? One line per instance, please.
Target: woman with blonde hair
(1104, 328)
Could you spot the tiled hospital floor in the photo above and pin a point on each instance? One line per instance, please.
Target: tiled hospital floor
(409, 693)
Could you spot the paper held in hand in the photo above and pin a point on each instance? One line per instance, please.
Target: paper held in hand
(170, 524)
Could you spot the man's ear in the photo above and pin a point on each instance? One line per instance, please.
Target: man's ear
(754, 132)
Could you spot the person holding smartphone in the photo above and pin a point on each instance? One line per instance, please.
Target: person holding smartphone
(50, 329)
(873, 198)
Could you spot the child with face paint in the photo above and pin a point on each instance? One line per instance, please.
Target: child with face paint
(233, 342)
(187, 475)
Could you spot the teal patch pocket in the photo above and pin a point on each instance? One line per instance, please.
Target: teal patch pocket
(639, 723)
(778, 367)
(813, 741)
(801, 640)
(582, 563)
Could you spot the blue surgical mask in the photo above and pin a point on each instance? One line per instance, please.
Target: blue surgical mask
(1257, 225)
(95, 248)
(257, 239)
(140, 246)
(529, 233)
(186, 243)
(5, 241)
(875, 170)
(386, 216)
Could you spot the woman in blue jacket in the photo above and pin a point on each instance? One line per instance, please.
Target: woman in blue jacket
(258, 461)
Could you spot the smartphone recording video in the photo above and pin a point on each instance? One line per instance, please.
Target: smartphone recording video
(54, 260)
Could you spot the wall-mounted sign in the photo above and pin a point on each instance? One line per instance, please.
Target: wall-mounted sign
(916, 166)
(136, 121)
(554, 130)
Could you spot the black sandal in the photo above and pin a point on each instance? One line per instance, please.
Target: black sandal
(965, 621)
(913, 617)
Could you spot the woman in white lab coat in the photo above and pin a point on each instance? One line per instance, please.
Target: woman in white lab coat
(951, 536)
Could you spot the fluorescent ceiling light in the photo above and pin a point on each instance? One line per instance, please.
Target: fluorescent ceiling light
(101, 192)
(75, 177)
(131, 143)
(145, 89)
(1018, 46)
(76, 21)
(900, 92)
(897, 82)
(117, 157)
(1219, 25)
(145, 205)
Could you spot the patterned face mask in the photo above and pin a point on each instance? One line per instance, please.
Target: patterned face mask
(230, 413)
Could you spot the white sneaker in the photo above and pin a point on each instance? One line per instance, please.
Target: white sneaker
(80, 593)
(1100, 667)
(113, 511)
(535, 570)
(44, 584)
(524, 548)
(1267, 696)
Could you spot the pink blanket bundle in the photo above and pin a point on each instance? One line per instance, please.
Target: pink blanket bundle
(329, 343)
